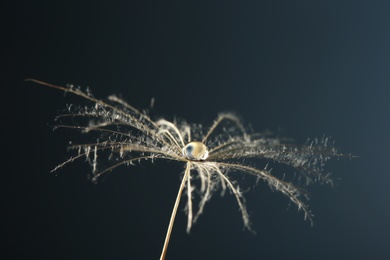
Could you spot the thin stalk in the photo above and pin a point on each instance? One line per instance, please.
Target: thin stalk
(173, 215)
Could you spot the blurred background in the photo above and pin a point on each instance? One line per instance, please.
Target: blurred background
(309, 68)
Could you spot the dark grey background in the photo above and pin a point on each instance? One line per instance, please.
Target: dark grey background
(311, 68)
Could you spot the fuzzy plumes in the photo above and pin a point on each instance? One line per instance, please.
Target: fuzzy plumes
(123, 135)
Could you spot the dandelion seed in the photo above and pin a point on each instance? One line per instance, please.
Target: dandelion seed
(128, 136)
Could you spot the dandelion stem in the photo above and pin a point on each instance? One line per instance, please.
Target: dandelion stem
(173, 215)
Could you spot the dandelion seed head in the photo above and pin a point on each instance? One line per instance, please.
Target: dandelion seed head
(123, 135)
